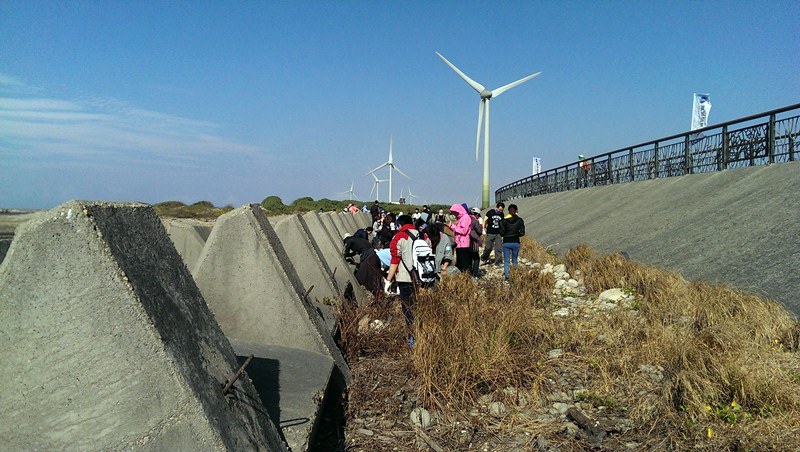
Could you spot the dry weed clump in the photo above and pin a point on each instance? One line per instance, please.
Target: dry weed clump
(475, 337)
(536, 252)
(727, 357)
(728, 369)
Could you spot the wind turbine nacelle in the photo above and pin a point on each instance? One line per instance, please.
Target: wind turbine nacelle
(486, 94)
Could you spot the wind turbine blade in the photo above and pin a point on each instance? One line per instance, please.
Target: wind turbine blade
(475, 85)
(398, 170)
(373, 189)
(373, 176)
(376, 169)
(502, 89)
(480, 121)
(352, 184)
(391, 140)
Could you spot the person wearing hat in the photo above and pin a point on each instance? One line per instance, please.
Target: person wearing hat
(476, 240)
(583, 169)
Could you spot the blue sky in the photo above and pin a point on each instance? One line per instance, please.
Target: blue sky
(234, 101)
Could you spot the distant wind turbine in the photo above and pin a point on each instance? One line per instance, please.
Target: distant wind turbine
(390, 164)
(376, 186)
(350, 193)
(411, 196)
(484, 105)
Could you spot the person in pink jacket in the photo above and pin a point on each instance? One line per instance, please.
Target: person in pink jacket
(461, 230)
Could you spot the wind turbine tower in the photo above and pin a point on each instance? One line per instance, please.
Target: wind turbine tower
(376, 186)
(390, 164)
(483, 106)
(351, 195)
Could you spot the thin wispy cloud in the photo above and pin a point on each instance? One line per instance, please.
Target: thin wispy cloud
(101, 128)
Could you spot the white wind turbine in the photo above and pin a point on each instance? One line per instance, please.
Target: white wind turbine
(390, 164)
(351, 195)
(484, 105)
(376, 186)
(411, 196)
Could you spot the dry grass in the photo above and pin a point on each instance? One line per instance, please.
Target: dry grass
(731, 374)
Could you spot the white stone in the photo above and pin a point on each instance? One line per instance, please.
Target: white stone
(612, 295)
(603, 306)
(561, 407)
(560, 284)
(497, 409)
(420, 417)
(555, 353)
(572, 283)
(560, 268)
(563, 312)
(377, 325)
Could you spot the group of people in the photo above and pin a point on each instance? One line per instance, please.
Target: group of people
(386, 250)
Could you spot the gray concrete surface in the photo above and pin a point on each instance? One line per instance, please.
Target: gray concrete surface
(738, 226)
(189, 237)
(330, 248)
(292, 385)
(314, 275)
(250, 284)
(351, 221)
(335, 229)
(108, 344)
(9, 220)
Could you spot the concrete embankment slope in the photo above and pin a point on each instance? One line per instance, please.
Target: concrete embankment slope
(738, 227)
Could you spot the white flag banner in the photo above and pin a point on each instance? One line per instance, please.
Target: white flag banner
(700, 110)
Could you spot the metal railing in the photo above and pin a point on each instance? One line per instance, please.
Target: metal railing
(761, 139)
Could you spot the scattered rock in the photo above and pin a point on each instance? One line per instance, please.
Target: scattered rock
(365, 432)
(572, 283)
(363, 325)
(563, 312)
(655, 373)
(376, 325)
(612, 296)
(555, 353)
(561, 407)
(497, 409)
(421, 417)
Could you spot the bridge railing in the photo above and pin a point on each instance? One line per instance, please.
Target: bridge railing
(762, 139)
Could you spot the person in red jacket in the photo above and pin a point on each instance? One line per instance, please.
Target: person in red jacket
(402, 265)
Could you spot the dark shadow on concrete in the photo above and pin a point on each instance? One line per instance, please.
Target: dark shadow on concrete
(264, 374)
(5, 243)
(332, 422)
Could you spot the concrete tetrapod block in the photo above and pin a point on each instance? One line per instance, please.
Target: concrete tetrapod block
(350, 220)
(341, 220)
(254, 291)
(365, 220)
(292, 385)
(108, 343)
(336, 230)
(189, 237)
(313, 272)
(330, 248)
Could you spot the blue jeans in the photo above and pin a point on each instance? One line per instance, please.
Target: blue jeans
(511, 250)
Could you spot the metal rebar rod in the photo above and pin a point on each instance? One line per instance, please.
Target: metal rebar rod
(236, 376)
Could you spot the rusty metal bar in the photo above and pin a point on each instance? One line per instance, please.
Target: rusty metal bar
(236, 376)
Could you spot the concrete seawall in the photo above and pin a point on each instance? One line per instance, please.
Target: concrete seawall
(738, 227)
